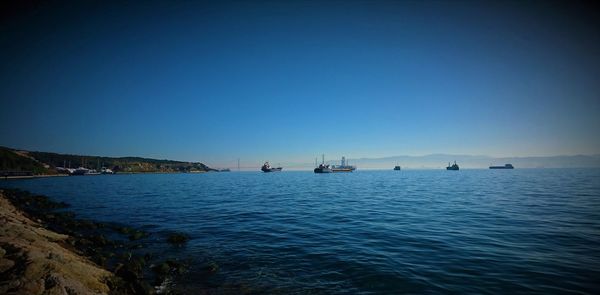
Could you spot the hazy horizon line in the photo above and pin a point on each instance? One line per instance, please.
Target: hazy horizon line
(355, 158)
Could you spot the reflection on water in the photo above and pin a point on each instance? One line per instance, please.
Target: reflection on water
(368, 231)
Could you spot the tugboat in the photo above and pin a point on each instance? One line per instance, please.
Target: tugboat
(323, 168)
(266, 167)
(506, 166)
(397, 168)
(453, 167)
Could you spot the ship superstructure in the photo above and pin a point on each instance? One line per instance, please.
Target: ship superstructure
(344, 167)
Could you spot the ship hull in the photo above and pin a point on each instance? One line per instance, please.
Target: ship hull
(323, 170)
(271, 169)
(501, 167)
(452, 168)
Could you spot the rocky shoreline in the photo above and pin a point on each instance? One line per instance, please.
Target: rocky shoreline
(45, 249)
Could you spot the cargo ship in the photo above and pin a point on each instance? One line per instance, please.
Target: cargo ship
(344, 167)
(322, 168)
(506, 166)
(266, 167)
(452, 167)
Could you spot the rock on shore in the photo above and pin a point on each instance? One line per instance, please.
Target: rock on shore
(34, 260)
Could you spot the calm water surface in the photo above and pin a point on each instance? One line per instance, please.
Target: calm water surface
(379, 232)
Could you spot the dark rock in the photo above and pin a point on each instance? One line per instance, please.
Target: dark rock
(50, 282)
(127, 274)
(212, 267)
(177, 238)
(125, 230)
(99, 259)
(137, 235)
(161, 269)
(99, 240)
(83, 243)
(136, 264)
(87, 224)
(168, 267)
(6, 264)
(89, 238)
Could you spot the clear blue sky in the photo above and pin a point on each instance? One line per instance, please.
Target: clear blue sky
(286, 81)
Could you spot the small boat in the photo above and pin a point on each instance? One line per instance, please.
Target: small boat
(80, 171)
(85, 171)
(397, 168)
(453, 167)
(506, 166)
(266, 167)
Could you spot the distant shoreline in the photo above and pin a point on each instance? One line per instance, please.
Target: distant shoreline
(14, 162)
(32, 176)
(119, 173)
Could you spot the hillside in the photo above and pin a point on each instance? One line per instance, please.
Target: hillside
(16, 160)
(11, 160)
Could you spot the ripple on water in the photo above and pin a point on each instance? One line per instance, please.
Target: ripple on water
(475, 231)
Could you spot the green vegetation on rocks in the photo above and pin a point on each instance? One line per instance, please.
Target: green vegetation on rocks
(177, 238)
(121, 164)
(113, 247)
(136, 235)
(45, 163)
(11, 160)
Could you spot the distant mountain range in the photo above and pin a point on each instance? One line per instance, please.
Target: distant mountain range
(44, 163)
(439, 161)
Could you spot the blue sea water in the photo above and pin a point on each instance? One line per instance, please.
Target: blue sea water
(370, 232)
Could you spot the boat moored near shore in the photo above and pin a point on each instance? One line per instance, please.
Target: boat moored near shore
(84, 171)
